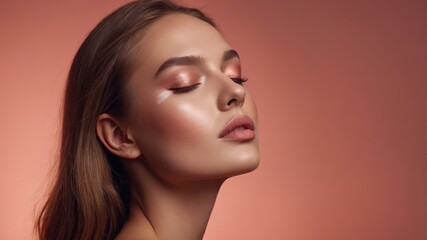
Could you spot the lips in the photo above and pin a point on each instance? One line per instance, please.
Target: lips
(240, 128)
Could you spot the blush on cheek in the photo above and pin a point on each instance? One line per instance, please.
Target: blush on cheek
(189, 122)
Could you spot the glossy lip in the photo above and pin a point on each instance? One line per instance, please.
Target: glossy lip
(241, 121)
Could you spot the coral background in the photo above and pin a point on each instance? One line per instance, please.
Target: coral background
(341, 88)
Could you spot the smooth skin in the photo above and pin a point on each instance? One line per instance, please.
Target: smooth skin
(171, 147)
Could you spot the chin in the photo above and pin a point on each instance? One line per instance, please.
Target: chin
(243, 164)
(241, 159)
(247, 165)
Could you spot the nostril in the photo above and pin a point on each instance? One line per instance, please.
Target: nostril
(232, 101)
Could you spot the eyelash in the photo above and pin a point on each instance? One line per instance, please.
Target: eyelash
(184, 89)
(240, 80)
(179, 90)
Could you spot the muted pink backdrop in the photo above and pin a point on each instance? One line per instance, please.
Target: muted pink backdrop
(341, 88)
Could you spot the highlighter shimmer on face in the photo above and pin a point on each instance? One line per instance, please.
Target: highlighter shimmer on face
(163, 95)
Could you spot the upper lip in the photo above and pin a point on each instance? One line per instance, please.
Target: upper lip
(236, 122)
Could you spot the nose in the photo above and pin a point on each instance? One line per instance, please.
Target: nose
(231, 95)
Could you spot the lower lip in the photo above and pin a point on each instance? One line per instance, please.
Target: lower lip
(240, 135)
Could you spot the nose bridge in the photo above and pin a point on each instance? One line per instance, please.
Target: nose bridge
(231, 94)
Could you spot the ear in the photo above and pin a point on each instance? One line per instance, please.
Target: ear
(116, 138)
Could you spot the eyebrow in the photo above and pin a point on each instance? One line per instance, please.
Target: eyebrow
(193, 60)
(230, 54)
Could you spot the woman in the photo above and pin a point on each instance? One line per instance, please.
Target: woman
(156, 118)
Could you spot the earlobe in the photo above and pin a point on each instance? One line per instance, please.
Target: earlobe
(116, 138)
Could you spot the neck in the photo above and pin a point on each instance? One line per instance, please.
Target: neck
(164, 212)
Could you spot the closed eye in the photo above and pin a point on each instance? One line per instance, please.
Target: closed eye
(240, 80)
(185, 89)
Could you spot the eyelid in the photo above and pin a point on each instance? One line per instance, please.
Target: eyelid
(183, 76)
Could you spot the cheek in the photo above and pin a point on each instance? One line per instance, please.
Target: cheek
(175, 134)
(175, 116)
(184, 122)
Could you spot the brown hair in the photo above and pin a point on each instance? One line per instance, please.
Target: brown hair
(90, 197)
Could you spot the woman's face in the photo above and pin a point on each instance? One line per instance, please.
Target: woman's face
(185, 91)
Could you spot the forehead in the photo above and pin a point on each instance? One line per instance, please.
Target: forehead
(178, 35)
